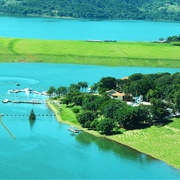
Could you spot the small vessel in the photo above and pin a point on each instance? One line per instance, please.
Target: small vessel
(6, 101)
(28, 90)
(17, 84)
(44, 93)
(74, 130)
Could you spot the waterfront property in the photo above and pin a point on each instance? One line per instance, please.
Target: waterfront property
(116, 95)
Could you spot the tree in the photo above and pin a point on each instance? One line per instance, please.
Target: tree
(76, 110)
(139, 87)
(83, 85)
(32, 115)
(106, 84)
(61, 91)
(94, 124)
(106, 9)
(94, 87)
(110, 107)
(177, 101)
(86, 116)
(66, 101)
(164, 84)
(89, 102)
(135, 77)
(74, 95)
(51, 90)
(130, 117)
(159, 110)
(153, 94)
(106, 126)
(73, 88)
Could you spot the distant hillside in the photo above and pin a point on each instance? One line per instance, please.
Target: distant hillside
(105, 9)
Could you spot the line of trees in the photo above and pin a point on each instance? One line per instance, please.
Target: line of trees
(100, 112)
(106, 9)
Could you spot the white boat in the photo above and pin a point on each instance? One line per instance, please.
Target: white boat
(74, 130)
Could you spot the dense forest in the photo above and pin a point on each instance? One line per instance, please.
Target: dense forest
(97, 110)
(99, 9)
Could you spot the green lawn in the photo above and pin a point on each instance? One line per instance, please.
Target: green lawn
(68, 115)
(94, 53)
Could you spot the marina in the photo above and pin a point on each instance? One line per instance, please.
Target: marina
(28, 91)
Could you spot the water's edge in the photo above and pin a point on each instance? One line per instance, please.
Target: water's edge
(97, 134)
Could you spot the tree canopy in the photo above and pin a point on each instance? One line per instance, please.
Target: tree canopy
(99, 9)
(107, 115)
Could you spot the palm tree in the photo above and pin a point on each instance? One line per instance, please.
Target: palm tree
(51, 90)
(62, 90)
(83, 85)
(94, 87)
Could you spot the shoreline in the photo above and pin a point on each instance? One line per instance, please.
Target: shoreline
(95, 133)
(69, 18)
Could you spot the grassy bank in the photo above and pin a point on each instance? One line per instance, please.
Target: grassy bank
(92, 53)
(159, 142)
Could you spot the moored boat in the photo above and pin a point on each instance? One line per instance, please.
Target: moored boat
(74, 130)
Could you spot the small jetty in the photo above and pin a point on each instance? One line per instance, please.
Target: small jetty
(74, 129)
(21, 101)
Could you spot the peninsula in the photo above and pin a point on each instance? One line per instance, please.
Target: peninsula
(152, 128)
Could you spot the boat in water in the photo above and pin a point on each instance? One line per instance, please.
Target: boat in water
(74, 130)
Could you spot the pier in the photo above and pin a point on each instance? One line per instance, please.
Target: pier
(22, 101)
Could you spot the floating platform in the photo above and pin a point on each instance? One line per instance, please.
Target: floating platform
(74, 130)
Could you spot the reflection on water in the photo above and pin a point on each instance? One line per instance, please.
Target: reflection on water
(107, 145)
(31, 123)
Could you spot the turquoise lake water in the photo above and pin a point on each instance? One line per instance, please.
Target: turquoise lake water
(46, 149)
(81, 29)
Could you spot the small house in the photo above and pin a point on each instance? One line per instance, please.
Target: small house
(115, 95)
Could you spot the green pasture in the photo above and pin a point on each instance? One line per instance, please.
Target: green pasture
(160, 142)
(93, 53)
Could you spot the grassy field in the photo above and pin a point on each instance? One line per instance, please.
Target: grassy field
(93, 53)
(160, 142)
